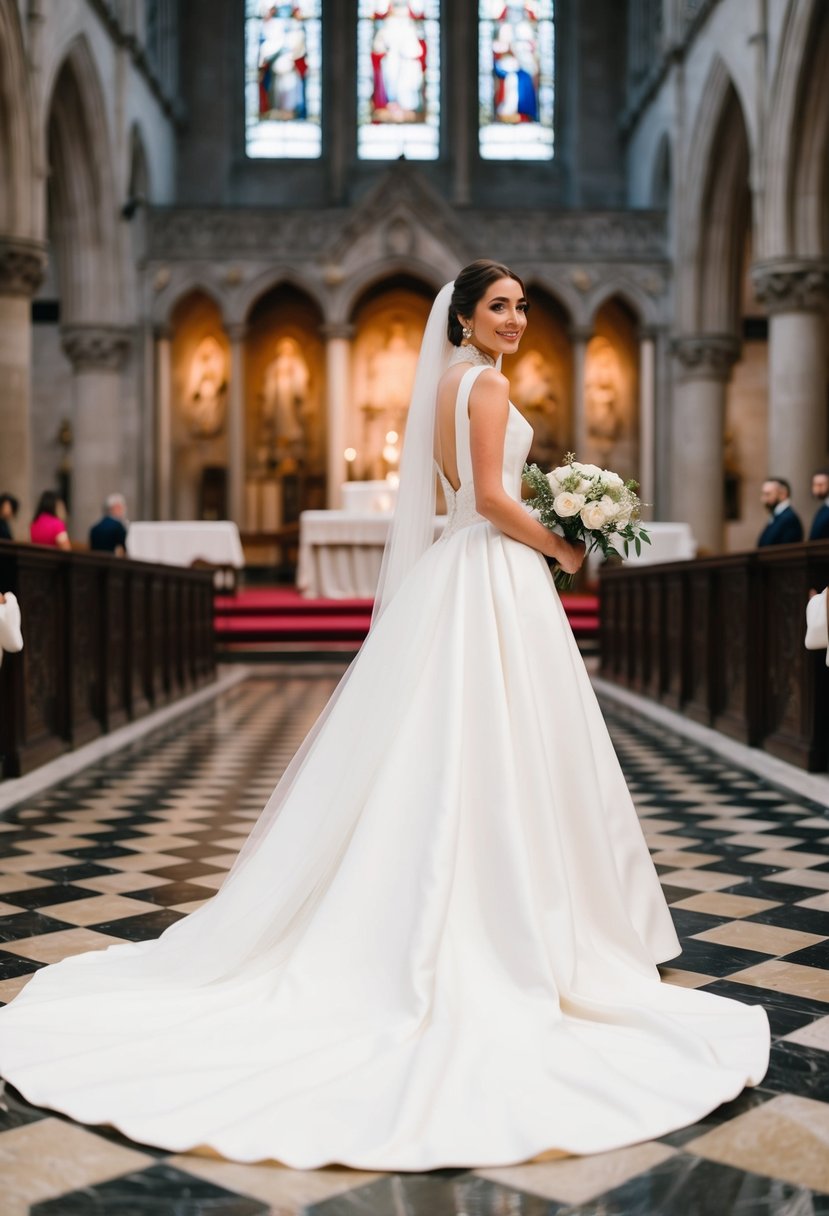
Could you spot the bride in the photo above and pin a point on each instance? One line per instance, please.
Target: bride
(438, 946)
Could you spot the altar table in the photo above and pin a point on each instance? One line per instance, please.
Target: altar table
(340, 552)
(180, 543)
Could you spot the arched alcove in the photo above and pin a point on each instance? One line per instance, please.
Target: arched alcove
(200, 368)
(541, 378)
(724, 218)
(611, 389)
(388, 320)
(81, 196)
(285, 422)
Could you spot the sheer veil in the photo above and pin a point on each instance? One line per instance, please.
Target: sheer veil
(411, 534)
(412, 528)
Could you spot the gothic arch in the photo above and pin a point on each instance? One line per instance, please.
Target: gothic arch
(809, 182)
(82, 193)
(717, 211)
(803, 34)
(191, 285)
(556, 292)
(245, 300)
(15, 136)
(355, 288)
(629, 295)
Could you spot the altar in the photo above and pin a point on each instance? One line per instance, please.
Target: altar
(341, 552)
(186, 542)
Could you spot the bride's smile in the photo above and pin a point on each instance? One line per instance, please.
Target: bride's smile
(499, 319)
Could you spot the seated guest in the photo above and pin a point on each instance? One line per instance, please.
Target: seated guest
(109, 535)
(820, 490)
(11, 639)
(784, 527)
(47, 527)
(8, 509)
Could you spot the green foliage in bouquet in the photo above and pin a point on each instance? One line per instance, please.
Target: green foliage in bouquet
(585, 503)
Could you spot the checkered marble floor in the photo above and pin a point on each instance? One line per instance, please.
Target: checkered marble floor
(126, 847)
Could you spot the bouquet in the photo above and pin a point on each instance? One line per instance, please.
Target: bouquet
(582, 502)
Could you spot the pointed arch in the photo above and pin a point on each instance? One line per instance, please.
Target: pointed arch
(718, 208)
(249, 294)
(82, 191)
(15, 135)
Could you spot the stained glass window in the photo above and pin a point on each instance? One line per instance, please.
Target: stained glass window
(516, 74)
(283, 88)
(398, 73)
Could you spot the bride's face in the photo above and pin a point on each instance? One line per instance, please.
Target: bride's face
(500, 318)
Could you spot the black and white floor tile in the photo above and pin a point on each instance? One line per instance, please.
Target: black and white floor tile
(126, 847)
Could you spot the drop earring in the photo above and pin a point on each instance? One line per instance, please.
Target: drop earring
(467, 332)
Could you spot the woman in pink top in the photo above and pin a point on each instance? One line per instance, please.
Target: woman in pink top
(47, 528)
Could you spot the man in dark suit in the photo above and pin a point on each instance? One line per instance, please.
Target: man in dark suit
(109, 535)
(820, 490)
(784, 527)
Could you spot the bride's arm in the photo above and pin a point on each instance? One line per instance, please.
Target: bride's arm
(488, 418)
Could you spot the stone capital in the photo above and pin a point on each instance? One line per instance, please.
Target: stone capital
(22, 265)
(785, 285)
(337, 329)
(705, 356)
(96, 347)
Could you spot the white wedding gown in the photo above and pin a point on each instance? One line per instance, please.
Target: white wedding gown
(443, 951)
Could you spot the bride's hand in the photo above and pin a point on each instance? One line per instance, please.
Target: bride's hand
(570, 555)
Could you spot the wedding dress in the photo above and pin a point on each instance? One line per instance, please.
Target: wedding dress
(442, 951)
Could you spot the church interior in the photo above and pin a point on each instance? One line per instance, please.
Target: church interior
(222, 227)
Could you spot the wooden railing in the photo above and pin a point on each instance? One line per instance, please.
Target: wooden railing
(721, 640)
(105, 641)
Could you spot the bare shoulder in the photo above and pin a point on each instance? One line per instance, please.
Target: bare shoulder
(491, 388)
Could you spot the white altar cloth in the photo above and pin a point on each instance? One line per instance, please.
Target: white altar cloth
(340, 552)
(180, 543)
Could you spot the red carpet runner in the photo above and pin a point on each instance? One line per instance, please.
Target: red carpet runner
(271, 621)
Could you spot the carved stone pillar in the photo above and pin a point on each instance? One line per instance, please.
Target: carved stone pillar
(21, 269)
(647, 418)
(237, 333)
(704, 363)
(163, 423)
(579, 338)
(795, 294)
(97, 354)
(338, 383)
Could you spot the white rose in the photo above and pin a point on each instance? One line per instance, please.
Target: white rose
(568, 503)
(623, 514)
(594, 515)
(560, 473)
(612, 480)
(589, 470)
(555, 484)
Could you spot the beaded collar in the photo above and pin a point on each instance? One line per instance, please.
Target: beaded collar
(469, 353)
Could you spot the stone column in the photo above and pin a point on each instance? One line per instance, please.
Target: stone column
(237, 333)
(97, 354)
(579, 338)
(795, 294)
(337, 388)
(21, 269)
(704, 363)
(163, 423)
(647, 420)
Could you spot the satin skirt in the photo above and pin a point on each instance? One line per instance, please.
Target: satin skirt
(441, 950)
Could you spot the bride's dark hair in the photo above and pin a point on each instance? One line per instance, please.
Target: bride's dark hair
(470, 287)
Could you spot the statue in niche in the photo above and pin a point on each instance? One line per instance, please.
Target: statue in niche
(535, 392)
(284, 399)
(398, 56)
(391, 371)
(207, 389)
(603, 393)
